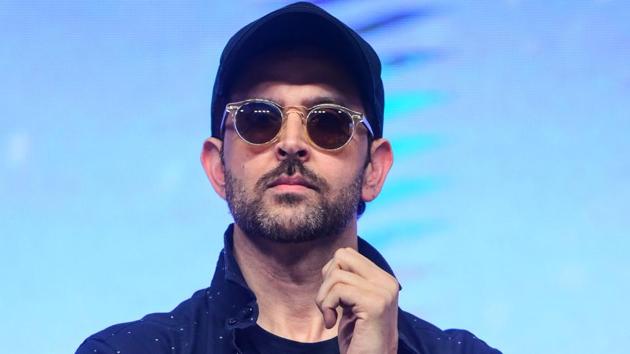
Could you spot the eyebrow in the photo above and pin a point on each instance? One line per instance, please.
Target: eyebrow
(309, 102)
(314, 101)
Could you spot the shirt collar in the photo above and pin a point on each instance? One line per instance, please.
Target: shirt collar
(237, 301)
(233, 271)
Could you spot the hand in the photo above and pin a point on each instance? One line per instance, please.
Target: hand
(368, 297)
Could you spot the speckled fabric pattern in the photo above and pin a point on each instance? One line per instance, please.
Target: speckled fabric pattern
(208, 322)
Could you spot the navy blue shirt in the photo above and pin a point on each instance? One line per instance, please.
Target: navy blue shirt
(210, 321)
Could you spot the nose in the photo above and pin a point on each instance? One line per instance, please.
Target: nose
(292, 140)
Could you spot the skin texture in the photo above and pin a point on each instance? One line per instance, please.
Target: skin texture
(316, 289)
(328, 214)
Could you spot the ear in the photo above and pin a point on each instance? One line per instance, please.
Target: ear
(377, 169)
(212, 164)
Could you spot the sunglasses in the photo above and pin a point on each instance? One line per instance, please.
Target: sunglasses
(328, 126)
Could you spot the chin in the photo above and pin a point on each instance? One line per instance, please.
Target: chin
(289, 215)
(289, 199)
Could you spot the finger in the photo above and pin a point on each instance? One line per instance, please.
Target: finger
(327, 266)
(332, 265)
(339, 294)
(330, 317)
(349, 259)
(333, 274)
(337, 275)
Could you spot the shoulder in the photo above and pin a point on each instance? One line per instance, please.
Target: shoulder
(154, 333)
(421, 336)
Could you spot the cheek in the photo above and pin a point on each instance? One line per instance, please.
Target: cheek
(341, 172)
(245, 164)
(236, 155)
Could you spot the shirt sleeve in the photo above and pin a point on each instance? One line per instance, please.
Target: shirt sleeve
(464, 342)
(124, 338)
(94, 346)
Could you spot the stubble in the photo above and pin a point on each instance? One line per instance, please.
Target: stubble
(294, 217)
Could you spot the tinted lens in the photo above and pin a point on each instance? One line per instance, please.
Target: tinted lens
(258, 122)
(329, 128)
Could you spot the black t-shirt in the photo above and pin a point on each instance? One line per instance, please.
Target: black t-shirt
(255, 340)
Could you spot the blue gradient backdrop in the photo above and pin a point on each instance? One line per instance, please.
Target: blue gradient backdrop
(504, 212)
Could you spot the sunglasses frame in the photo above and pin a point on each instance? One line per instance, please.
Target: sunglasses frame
(356, 117)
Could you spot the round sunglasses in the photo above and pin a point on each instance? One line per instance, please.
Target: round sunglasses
(328, 126)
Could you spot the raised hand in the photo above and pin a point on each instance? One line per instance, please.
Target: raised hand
(367, 298)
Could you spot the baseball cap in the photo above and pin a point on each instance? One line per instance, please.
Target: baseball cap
(302, 23)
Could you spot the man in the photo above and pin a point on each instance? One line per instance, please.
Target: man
(296, 151)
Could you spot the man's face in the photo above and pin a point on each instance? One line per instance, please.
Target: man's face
(290, 190)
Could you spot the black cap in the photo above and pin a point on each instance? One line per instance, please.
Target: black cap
(302, 23)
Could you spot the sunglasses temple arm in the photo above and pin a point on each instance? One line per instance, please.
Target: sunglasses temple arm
(363, 119)
(223, 119)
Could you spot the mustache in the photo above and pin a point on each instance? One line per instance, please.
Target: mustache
(290, 166)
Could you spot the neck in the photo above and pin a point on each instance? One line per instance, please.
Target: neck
(286, 277)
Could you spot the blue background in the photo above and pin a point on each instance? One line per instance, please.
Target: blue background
(503, 214)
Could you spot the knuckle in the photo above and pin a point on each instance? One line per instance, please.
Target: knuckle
(329, 268)
(334, 288)
(394, 287)
(391, 284)
(337, 289)
(339, 253)
(390, 299)
(319, 300)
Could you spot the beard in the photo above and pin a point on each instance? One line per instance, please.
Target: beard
(295, 219)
